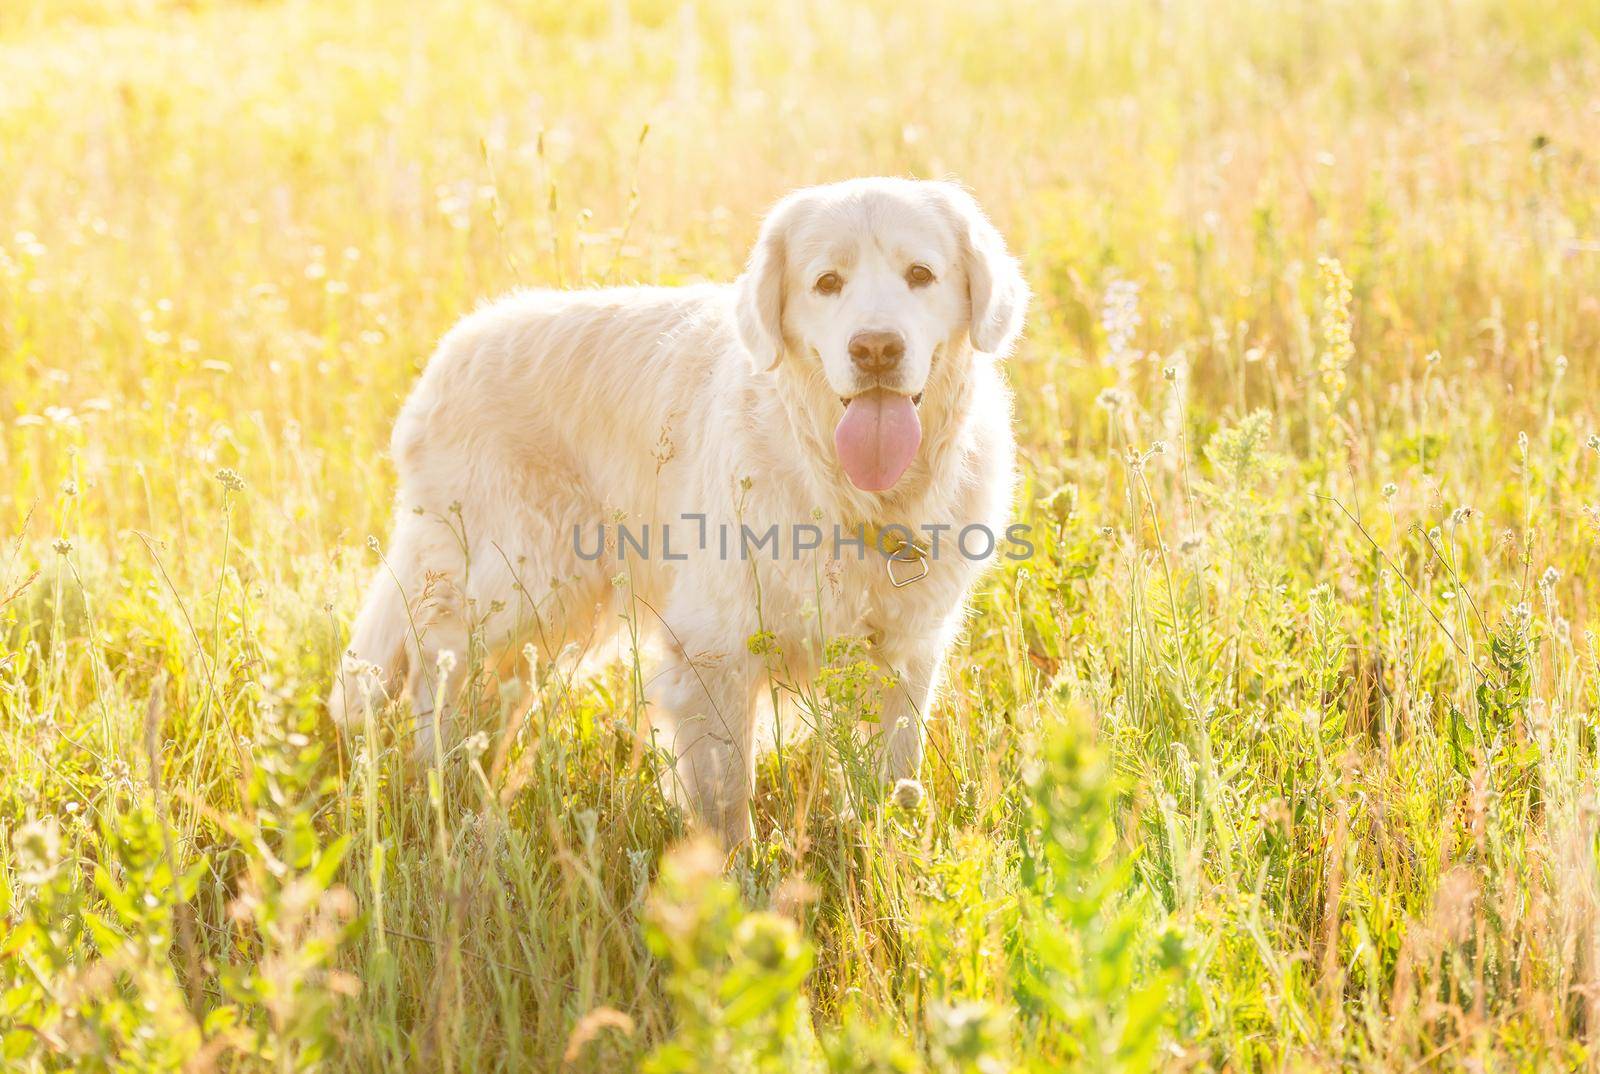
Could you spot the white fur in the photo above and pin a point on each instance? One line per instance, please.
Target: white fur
(552, 410)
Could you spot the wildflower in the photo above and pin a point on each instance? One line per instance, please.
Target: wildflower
(768, 941)
(1549, 578)
(476, 745)
(1433, 358)
(1170, 372)
(230, 479)
(1112, 399)
(1119, 316)
(372, 541)
(69, 487)
(1158, 448)
(1275, 813)
(1338, 348)
(62, 546)
(37, 850)
(1389, 490)
(1062, 503)
(1461, 515)
(1593, 443)
(907, 794)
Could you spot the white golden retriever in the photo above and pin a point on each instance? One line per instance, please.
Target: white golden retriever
(845, 383)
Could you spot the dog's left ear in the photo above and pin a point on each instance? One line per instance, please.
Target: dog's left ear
(995, 285)
(758, 295)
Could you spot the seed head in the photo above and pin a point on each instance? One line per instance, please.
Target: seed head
(1112, 399)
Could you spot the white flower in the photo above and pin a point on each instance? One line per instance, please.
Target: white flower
(1119, 316)
(907, 793)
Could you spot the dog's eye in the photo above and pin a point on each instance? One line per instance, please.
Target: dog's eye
(919, 275)
(829, 283)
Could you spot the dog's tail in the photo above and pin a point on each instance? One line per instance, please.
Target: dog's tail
(373, 666)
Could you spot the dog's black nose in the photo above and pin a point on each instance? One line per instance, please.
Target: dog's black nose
(878, 351)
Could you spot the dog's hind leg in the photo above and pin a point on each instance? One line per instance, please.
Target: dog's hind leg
(705, 695)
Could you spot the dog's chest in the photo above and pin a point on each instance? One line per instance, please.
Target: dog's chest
(851, 597)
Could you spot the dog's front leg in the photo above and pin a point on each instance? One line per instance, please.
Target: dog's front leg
(915, 670)
(709, 704)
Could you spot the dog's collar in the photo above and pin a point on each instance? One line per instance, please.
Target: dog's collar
(915, 556)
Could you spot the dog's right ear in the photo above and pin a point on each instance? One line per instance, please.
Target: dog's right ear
(758, 296)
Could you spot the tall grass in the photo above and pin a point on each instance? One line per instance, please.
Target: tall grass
(1279, 754)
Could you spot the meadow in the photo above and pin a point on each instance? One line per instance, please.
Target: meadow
(1280, 753)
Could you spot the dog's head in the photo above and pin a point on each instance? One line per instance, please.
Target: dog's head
(872, 282)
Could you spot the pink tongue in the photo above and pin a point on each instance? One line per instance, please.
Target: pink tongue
(877, 438)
